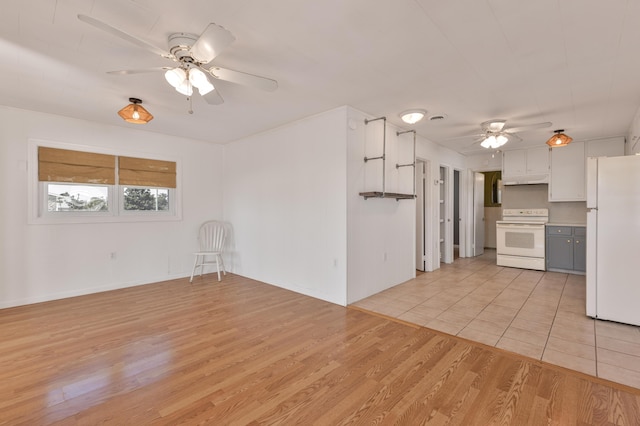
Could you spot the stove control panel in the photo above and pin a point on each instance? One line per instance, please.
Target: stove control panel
(525, 212)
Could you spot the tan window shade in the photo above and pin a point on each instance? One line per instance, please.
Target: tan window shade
(63, 165)
(145, 172)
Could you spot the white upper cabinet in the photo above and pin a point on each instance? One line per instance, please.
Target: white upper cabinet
(525, 166)
(514, 163)
(568, 173)
(568, 166)
(538, 161)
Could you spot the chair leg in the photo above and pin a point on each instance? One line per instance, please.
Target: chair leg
(193, 271)
(218, 259)
(224, 270)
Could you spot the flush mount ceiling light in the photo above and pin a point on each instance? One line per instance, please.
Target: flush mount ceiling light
(494, 141)
(135, 113)
(412, 116)
(559, 139)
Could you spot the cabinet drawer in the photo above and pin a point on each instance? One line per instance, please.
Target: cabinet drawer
(580, 231)
(558, 230)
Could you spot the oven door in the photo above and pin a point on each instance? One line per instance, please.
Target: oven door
(520, 239)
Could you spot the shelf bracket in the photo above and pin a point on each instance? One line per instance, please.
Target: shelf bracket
(384, 150)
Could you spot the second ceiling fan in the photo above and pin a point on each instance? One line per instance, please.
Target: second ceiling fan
(495, 133)
(192, 55)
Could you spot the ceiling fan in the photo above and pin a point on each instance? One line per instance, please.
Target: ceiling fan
(191, 55)
(495, 133)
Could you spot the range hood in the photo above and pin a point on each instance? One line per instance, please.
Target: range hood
(526, 180)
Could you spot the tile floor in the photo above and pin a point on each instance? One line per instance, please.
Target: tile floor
(537, 314)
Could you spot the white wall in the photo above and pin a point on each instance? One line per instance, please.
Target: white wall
(381, 231)
(285, 195)
(41, 262)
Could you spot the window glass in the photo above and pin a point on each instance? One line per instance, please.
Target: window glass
(77, 197)
(145, 199)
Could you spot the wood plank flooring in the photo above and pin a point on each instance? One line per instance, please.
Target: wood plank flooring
(242, 352)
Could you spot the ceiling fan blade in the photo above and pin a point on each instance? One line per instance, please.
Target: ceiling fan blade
(493, 126)
(211, 42)
(128, 37)
(139, 71)
(213, 97)
(512, 136)
(243, 78)
(528, 127)
(473, 135)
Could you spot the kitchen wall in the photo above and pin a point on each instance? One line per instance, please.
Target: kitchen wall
(537, 196)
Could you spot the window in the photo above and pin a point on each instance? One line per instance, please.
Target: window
(146, 185)
(80, 186)
(145, 199)
(77, 198)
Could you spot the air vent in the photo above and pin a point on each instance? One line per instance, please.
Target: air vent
(437, 117)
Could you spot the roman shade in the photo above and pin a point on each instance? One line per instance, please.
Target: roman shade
(146, 172)
(64, 165)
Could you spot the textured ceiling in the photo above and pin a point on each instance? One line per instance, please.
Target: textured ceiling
(575, 63)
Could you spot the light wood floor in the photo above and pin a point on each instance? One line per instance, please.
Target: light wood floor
(537, 314)
(243, 352)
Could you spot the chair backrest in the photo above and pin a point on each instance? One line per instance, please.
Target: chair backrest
(211, 236)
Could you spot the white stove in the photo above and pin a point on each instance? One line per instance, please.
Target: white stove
(520, 238)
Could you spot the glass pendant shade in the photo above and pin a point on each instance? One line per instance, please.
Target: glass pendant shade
(185, 88)
(559, 139)
(175, 76)
(205, 88)
(135, 113)
(197, 77)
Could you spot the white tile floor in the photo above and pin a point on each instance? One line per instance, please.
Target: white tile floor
(537, 314)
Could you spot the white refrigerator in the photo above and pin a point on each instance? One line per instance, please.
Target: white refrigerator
(613, 238)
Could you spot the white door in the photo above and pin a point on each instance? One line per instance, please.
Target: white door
(420, 217)
(478, 214)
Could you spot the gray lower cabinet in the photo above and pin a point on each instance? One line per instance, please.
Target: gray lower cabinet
(566, 249)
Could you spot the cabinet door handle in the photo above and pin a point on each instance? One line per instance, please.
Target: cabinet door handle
(577, 242)
(569, 241)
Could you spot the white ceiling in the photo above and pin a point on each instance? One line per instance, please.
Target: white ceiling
(575, 63)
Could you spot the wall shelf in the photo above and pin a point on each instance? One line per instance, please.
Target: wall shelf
(378, 194)
(383, 157)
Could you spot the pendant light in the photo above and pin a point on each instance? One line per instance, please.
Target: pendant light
(559, 139)
(135, 113)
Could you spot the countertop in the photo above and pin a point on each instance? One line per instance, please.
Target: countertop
(565, 224)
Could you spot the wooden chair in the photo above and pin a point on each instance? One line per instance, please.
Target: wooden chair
(211, 239)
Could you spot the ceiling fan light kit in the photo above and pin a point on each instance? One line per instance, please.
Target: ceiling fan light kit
(559, 139)
(412, 116)
(494, 141)
(135, 113)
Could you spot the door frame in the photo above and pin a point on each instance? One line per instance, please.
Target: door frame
(428, 217)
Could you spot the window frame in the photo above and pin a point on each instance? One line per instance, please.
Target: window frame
(37, 193)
